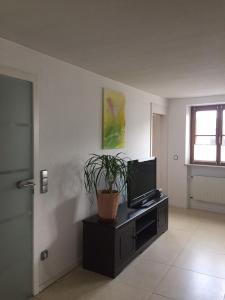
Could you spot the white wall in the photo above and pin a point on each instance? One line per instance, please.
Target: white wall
(159, 148)
(178, 145)
(70, 128)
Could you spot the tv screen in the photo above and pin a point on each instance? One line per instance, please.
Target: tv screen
(141, 185)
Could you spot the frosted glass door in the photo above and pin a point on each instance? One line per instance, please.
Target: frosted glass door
(16, 208)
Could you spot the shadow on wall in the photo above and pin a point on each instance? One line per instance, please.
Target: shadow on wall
(69, 206)
(69, 187)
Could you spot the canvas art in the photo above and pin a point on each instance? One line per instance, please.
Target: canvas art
(113, 119)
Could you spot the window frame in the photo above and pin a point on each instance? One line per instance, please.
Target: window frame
(219, 133)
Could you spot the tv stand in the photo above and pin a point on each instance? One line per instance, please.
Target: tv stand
(109, 247)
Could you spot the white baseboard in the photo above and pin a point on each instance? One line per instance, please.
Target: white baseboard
(217, 208)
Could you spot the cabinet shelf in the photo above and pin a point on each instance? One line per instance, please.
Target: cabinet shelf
(146, 234)
(145, 226)
(146, 220)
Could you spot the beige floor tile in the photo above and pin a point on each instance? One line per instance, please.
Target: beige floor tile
(164, 255)
(116, 290)
(181, 220)
(202, 261)
(179, 211)
(212, 228)
(167, 247)
(176, 236)
(143, 274)
(183, 224)
(74, 285)
(182, 284)
(205, 240)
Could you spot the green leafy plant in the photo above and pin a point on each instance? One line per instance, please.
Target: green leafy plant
(111, 170)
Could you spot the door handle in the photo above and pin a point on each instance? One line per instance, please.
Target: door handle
(28, 183)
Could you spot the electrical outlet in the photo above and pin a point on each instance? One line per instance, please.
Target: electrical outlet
(44, 255)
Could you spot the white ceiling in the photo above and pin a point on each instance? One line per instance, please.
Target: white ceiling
(173, 48)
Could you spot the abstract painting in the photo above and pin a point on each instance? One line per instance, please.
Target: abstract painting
(113, 119)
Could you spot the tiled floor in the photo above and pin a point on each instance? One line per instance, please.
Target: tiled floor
(186, 263)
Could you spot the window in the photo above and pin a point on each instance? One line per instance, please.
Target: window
(208, 135)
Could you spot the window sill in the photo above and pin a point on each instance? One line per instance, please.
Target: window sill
(204, 166)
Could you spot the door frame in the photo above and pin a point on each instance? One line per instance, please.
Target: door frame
(8, 71)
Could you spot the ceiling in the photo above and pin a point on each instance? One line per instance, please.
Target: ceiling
(172, 48)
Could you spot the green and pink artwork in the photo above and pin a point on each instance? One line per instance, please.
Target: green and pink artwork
(113, 119)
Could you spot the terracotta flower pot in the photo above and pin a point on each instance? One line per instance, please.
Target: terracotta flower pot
(107, 205)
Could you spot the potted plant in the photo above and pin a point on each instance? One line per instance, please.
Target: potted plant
(109, 171)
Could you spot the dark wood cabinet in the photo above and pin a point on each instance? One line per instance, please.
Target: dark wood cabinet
(109, 247)
(162, 217)
(124, 245)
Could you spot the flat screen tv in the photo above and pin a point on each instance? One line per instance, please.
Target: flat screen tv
(141, 184)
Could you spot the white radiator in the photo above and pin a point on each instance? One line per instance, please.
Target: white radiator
(208, 189)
